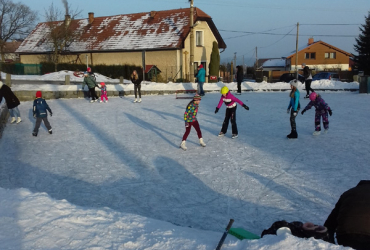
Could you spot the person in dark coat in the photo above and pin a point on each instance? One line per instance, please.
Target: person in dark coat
(39, 112)
(91, 84)
(308, 79)
(350, 218)
(239, 78)
(136, 80)
(12, 102)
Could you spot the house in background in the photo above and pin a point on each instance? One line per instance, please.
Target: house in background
(160, 38)
(320, 56)
(274, 64)
(10, 54)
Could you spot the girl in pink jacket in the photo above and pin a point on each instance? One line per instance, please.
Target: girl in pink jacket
(230, 101)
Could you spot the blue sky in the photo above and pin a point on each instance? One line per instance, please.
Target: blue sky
(241, 22)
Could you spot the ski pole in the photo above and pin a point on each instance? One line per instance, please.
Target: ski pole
(224, 235)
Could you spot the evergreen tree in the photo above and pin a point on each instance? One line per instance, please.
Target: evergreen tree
(363, 47)
(214, 64)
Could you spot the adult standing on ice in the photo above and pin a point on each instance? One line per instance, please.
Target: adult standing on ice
(91, 84)
(308, 79)
(136, 80)
(322, 109)
(201, 76)
(230, 101)
(12, 102)
(239, 78)
(190, 117)
(350, 218)
(293, 108)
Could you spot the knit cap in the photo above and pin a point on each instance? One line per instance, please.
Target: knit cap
(38, 94)
(294, 83)
(197, 97)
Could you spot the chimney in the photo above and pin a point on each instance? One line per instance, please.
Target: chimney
(310, 41)
(67, 20)
(91, 17)
(152, 14)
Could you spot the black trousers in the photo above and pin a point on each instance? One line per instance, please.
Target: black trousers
(230, 115)
(239, 87)
(292, 120)
(356, 241)
(93, 93)
(38, 123)
(308, 86)
(137, 88)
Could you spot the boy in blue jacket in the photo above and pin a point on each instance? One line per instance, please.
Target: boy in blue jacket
(39, 112)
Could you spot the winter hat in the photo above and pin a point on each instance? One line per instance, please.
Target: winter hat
(102, 83)
(88, 69)
(294, 83)
(197, 97)
(224, 90)
(200, 66)
(38, 94)
(313, 96)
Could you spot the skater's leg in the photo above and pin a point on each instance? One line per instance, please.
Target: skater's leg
(225, 124)
(309, 86)
(37, 125)
(292, 121)
(135, 90)
(234, 127)
(325, 120)
(239, 87)
(139, 90)
(187, 131)
(46, 122)
(197, 128)
(317, 121)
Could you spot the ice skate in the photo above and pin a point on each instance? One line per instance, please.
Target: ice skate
(293, 135)
(234, 136)
(13, 120)
(139, 100)
(316, 133)
(326, 131)
(91, 101)
(135, 100)
(183, 146)
(50, 131)
(19, 120)
(34, 134)
(221, 134)
(202, 142)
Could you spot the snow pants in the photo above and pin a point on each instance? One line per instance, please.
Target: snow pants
(292, 120)
(325, 120)
(239, 87)
(104, 95)
(188, 126)
(137, 88)
(38, 123)
(230, 115)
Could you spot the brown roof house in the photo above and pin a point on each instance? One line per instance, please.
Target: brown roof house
(161, 38)
(320, 56)
(10, 54)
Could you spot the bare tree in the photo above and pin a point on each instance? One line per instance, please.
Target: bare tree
(61, 34)
(16, 21)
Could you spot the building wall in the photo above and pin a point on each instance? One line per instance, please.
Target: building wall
(320, 62)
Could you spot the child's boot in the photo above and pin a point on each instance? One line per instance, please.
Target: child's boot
(183, 146)
(34, 133)
(293, 135)
(202, 142)
(316, 132)
(19, 120)
(13, 120)
(50, 131)
(139, 100)
(135, 100)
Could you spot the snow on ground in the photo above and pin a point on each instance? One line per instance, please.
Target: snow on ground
(112, 176)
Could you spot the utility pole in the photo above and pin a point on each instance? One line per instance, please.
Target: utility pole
(296, 54)
(191, 75)
(234, 59)
(243, 65)
(256, 59)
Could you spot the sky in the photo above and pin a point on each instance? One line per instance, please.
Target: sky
(112, 175)
(242, 22)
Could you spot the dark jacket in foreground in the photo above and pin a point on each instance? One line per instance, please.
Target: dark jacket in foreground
(137, 81)
(10, 98)
(39, 108)
(351, 214)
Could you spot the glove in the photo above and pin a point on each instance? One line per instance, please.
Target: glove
(288, 110)
(51, 114)
(34, 116)
(330, 112)
(216, 110)
(303, 111)
(246, 107)
(186, 124)
(295, 113)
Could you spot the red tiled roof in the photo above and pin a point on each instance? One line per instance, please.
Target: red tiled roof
(148, 30)
(323, 43)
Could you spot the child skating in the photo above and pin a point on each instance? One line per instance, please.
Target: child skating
(103, 94)
(322, 110)
(190, 117)
(293, 108)
(39, 112)
(230, 101)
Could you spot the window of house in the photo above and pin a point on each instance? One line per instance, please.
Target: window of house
(310, 55)
(331, 55)
(199, 38)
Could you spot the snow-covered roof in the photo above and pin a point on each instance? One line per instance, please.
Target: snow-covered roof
(147, 30)
(280, 62)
